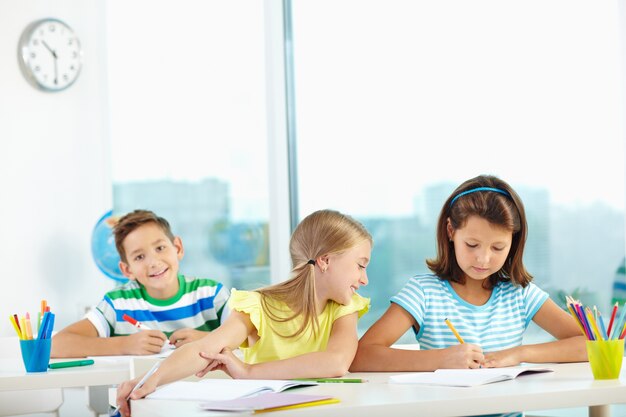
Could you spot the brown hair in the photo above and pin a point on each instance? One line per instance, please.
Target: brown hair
(320, 233)
(131, 221)
(502, 207)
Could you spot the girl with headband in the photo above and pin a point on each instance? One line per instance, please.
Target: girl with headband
(473, 309)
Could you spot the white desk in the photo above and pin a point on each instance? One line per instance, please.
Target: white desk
(571, 385)
(103, 372)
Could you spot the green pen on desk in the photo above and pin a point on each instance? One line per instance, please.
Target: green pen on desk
(333, 380)
(70, 364)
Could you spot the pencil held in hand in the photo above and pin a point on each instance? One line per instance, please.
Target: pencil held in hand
(458, 336)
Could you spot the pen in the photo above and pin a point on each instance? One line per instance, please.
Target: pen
(140, 384)
(333, 380)
(70, 364)
(458, 336)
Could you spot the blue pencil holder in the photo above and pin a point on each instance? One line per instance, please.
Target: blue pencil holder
(36, 354)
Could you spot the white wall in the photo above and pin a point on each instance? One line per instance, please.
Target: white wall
(54, 169)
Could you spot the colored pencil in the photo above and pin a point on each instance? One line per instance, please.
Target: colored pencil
(612, 320)
(458, 336)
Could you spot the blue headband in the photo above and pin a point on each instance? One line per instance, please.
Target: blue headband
(473, 190)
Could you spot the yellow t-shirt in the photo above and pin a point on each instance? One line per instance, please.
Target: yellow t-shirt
(271, 346)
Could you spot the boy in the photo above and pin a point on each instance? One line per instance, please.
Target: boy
(177, 309)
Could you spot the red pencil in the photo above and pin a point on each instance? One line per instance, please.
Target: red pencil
(612, 319)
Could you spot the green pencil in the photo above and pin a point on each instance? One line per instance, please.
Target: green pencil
(70, 364)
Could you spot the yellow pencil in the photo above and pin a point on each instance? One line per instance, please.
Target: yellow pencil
(593, 323)
(580, 326)
(301, 405)
(458, 336)
(15, 326)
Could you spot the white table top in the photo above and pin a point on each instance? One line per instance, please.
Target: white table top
(571, 385)
(103, 372)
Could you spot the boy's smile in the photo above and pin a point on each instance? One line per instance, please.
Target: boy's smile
(152, 259)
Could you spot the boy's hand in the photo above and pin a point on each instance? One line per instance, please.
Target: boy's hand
(145, 342)
(184, 336)
(227, 362)
(463, 356)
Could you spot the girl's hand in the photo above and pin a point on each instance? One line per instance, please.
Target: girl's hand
(507, 357)
(463, 356)
(123, 390)
(227, 362)
(125, 393)
(184, 336)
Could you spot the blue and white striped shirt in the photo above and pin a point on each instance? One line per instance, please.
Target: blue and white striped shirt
(498, 324)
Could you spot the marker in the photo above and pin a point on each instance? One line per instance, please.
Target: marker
(135, 323)
(70, 364)
(333, 380)
(141, 326)
(458, 336)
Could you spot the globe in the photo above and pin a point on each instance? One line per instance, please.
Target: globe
(103, 248)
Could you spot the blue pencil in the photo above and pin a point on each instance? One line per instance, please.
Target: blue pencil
(602, 328)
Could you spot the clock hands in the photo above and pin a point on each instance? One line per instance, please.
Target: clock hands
(54, 55)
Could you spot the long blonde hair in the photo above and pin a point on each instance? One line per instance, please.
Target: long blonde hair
(321, 233)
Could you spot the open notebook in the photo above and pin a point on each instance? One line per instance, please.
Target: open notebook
(272, 401)
(223, 389)
(465, 377)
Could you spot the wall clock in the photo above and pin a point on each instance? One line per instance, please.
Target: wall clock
(50, 55)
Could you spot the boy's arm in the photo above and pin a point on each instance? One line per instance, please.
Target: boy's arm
(81, 339)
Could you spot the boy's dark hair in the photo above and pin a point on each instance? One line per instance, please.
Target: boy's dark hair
(131, 221)
(494, 200)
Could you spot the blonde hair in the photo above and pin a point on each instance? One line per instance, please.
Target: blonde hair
(321, 233)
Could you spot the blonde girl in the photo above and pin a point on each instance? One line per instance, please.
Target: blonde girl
(304, 327)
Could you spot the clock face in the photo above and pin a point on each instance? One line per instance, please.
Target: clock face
(50, 55)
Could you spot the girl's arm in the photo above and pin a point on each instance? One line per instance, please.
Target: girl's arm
(186, 361)
(375, 354)
(569, 346)
(334, 361)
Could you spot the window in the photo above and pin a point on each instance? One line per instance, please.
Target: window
(400, 101)
(188, 129)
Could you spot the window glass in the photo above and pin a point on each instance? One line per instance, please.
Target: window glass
(399, 101)
(188, 129)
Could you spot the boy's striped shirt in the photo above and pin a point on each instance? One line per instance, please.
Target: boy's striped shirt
(199, 304)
